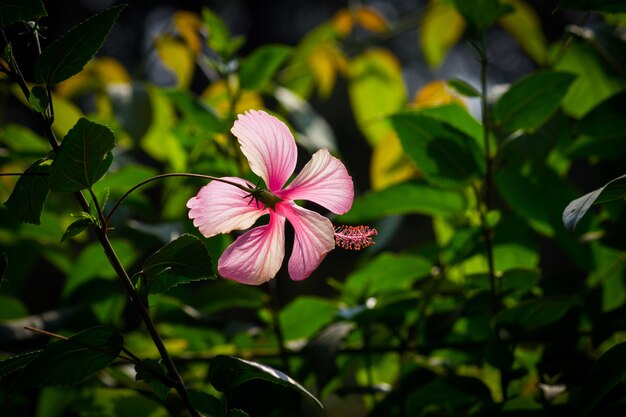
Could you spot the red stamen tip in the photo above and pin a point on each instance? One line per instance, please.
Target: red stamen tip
(354, 237)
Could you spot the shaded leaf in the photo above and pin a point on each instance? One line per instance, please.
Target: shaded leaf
(20, 11)
(605, 374)
(181, 261)
(606, 120)
(4, 265)
(606, 6)
(116, 402)
(448, 395)
(258, 68)
(83, 158)
(68, 55)
(206, 403)
(68, 362)
(611, 191)
(77, 227)
(20, 139)
(405, 198)
(195, 111)
(443, 154)
(143, 374)
(480, 14)
(534, 314)
(440, 29)
(16, 362)
(30, 193)
(531, 101)
(38, 99)
(227, 372)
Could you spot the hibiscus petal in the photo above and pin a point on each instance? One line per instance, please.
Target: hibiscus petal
(220, 208)
(269, 146)
(323, 180)
(256, 256)
(314, 238)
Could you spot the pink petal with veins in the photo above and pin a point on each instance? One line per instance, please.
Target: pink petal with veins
(314, 238)
(256, 256)
(269, 146)
(323, 180)
(221, 208)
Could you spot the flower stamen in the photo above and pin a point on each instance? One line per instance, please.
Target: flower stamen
(354, 237)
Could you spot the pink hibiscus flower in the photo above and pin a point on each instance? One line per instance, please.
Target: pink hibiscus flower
(256, 256)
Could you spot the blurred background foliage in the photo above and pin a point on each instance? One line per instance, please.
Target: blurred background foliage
(416, 324)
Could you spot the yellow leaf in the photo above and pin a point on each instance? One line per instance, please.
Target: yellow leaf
(110, 71)
(324, 63)
(66, 114)
(440, 29)
(525, 26)
(376, 90)
(389, 164)
(188, 25)
(178, 58)
(98, 73)
(370, 19)
(436, 93)
(342, 22)
(217, 97)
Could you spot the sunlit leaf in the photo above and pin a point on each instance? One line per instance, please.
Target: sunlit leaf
(594, 82)
(68, 54)
(525, 26)
(181, 261)
(369, 19)
(258, 68)
(440, 29)
(218, 37)
(188, 25)
(435, 93)
(178, 58)
(30, 193)
(443, 154)
(319, 313)
(532, 100)
(480, 14)
(387, 272)
(389, 164)
(606, 6)
(217, 96)
(116, 402)
(84, 157)
(458, 117)
(68, 362)
(324, 63)
(375, 73)
(195, 111)
(20, 139)
(66, 115)
(611, 191)
(227, 372)
(406, 198)
(77, 227)
(20, 11)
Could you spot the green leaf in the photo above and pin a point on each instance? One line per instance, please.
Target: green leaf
(227, 373)
(480, 14)
(534, 314)
(319, 312)
(441, 28)
(464, 88)
(84, 157)
(451, 395)
(524, 24)
(16, 362)
(20, 139)
(30, 193)
(611, 191)
(181, 261)
(116, 402)
(606, 120)
(72, 361)
(258, 68)
(457, 117)
(4, 265)
(143, 374)
(387, 272)
(218, 37)
(606, 6)
(605, 374)
(38, 99)
(405, 198)
(208, 404)
(531, 101)
(376, 73)
(20, 11)
(195, 111)
(68, 55)
(77, 227)
(443, 154)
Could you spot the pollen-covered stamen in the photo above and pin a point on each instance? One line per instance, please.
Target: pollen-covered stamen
(354, 237)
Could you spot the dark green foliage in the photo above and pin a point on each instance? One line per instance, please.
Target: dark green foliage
(39, 99)
(12, 11)
(480, 14)
(259, 67)
(607, 6)
(30, 193)
(148, 371)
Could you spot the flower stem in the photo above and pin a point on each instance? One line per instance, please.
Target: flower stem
(275, 308)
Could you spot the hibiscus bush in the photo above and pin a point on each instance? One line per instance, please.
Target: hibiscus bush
(329, 227)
